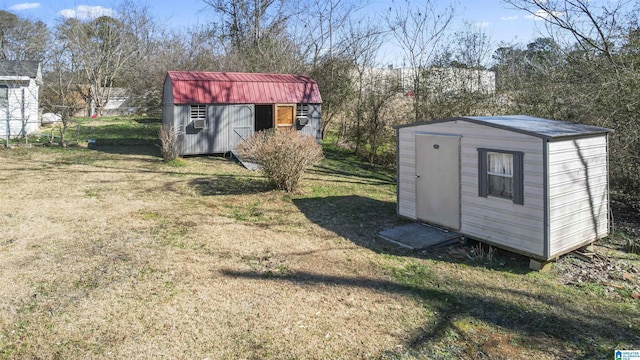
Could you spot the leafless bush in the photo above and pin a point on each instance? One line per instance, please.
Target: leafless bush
(283, 155)
(168, 136)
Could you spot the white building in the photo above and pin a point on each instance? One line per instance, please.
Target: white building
(19, 86)
(435, 81)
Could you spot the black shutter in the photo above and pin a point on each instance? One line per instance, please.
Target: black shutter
(518, 178)
(482, 172)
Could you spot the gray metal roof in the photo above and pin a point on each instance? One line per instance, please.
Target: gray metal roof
(19, 68)
(530, 125)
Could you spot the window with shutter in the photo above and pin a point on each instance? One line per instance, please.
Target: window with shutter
(500, 174)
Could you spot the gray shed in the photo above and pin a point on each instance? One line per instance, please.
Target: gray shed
(19, 93)
(215, 111)
(534, 186)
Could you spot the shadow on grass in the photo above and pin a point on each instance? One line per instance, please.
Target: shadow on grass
(592, 333)
(353, 217)
(343, 164)
(126, 136)
(149, 120)
(142, 148)
(359, 219)
(231, 185)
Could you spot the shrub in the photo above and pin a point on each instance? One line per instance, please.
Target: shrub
(168, 136)
(283, 155)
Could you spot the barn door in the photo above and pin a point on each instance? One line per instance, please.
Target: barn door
(438, 179)
(241, 119)
(285, 116)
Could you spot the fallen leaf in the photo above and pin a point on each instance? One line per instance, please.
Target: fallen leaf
(635, 296)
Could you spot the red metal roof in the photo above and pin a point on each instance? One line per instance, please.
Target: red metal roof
(191, 87)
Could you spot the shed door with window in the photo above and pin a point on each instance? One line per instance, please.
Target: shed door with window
(285, 115)
(438, 179)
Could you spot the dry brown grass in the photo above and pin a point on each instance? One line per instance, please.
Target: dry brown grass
(121, 256)
(107, 255)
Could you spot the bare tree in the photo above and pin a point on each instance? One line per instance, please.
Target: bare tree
(594, 26)
(321, 26)
(60, 93)
(22, 39)
(596, 79)
(322, 32)
(334, 75)
(418, 31)
(364, 42)
(472, 47)
(101, 48)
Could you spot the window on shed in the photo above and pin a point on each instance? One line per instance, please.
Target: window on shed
(501, 174)
(199, 116)
(285, 116)
(302, 110)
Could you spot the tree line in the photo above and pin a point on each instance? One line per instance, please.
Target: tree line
(584, 68)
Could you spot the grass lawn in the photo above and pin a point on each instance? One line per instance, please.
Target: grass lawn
(111, 253)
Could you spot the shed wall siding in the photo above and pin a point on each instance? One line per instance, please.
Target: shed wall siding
(226, 126)
(578, 193)
(168, 108)
(18, 125)
(314, 126)
(496, 220)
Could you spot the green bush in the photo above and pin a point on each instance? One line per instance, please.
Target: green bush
(283, 155)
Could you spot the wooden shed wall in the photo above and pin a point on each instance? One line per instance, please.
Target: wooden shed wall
(168, 108)
(226, 126)
(15, 105)
(578, 193)
(314, 126)
(496, 220)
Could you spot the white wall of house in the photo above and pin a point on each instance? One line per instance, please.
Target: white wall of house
(20, 114)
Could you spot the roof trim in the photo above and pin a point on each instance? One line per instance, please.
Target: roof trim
(593, 130)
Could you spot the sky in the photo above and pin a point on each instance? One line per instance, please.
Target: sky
(499, 20)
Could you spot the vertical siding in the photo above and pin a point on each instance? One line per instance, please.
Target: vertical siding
(168, 114)
(578, 193)
(314, 126)
(500, 221)
(180, 121)
(226, 127)
(217, 130)
(241, 124)
(19, 126)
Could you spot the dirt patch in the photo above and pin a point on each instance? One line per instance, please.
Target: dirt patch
(601, 274)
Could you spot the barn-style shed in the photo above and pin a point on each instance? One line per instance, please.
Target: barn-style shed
(19, 86)
(215, 111)
(534, 186)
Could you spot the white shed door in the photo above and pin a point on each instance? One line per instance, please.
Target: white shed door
(438, 179)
